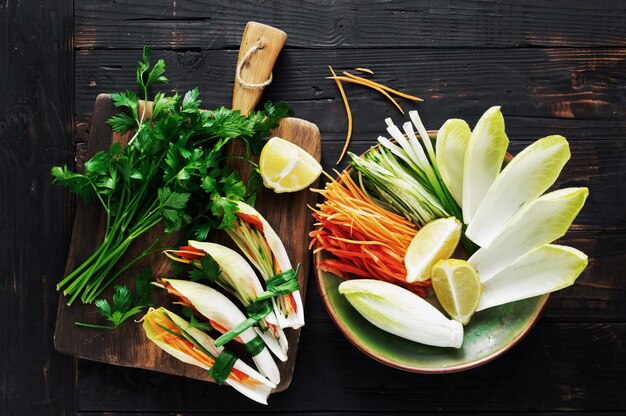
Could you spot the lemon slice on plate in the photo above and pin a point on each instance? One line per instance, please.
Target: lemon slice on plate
(286, 167)
(457, 287)
(433, 242)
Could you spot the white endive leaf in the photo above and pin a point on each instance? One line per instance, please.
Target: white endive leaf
(483, 160)
(219, 309)
(402, 313)
(539, 222)
(545, 269)
(524, 179)
(452, 140)
(241, 276)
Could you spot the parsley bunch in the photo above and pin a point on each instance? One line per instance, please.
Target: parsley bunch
(170, 172)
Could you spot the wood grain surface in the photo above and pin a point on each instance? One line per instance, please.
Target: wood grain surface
(36, 129)
(128, 346)
(556, 67)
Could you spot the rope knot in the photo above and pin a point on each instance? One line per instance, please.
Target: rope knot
(258, 45)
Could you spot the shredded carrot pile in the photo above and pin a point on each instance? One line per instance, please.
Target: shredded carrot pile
(354, 79)
(366, 240)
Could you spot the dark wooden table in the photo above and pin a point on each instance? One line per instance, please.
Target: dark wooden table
(559, 68)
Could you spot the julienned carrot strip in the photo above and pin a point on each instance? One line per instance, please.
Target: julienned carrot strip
(348, 114)
(384, 87)
(345, 240)
(369, 84)
(366, 70)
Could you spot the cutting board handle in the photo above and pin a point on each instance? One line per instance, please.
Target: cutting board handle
(260, 46)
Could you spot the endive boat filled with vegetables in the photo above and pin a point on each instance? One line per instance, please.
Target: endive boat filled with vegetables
(223, 315)
(178, 338)
(261, 245)
(423, 248)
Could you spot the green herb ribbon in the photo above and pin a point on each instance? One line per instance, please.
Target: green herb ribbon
(281, 284)
(256, 311)
(255, 346)
(223, 366)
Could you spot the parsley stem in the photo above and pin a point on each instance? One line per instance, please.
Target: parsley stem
(94, 325)
(143, 254)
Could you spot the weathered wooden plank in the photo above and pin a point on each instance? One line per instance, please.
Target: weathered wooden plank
(549, 370)
(35, 134)
(547, 83)
(361, 24)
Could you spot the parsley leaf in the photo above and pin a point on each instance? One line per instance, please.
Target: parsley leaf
(125, 304)
(193, 321)
(226, 210)
(209, 270)
(171, 207)
(121, 123)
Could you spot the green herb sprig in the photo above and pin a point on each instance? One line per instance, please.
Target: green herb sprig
(125, 303)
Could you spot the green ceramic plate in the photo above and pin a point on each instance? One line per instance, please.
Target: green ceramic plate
(489, 334)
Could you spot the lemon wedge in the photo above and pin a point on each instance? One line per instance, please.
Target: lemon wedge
(457, 287)
(286, 167)
(433, 242)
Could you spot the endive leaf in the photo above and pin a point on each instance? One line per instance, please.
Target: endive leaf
(402, 313)
(483, 160)
(528, 176)
(539, 222)
(545, 269)
(236, 275)
(452, 140)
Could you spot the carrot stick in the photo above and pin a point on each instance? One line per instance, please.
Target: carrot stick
(348, 113)
(366, 70)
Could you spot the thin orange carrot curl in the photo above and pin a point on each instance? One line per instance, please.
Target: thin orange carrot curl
(366, 240)
(348, 114)
(366, 70)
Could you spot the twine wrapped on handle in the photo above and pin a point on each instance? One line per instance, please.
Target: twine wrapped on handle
(258, 45)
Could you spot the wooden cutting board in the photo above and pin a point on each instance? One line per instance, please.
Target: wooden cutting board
(127, 345)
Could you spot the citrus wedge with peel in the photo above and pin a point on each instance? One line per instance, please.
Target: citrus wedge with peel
(286, 167)
(457, 287)
(435, 241)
